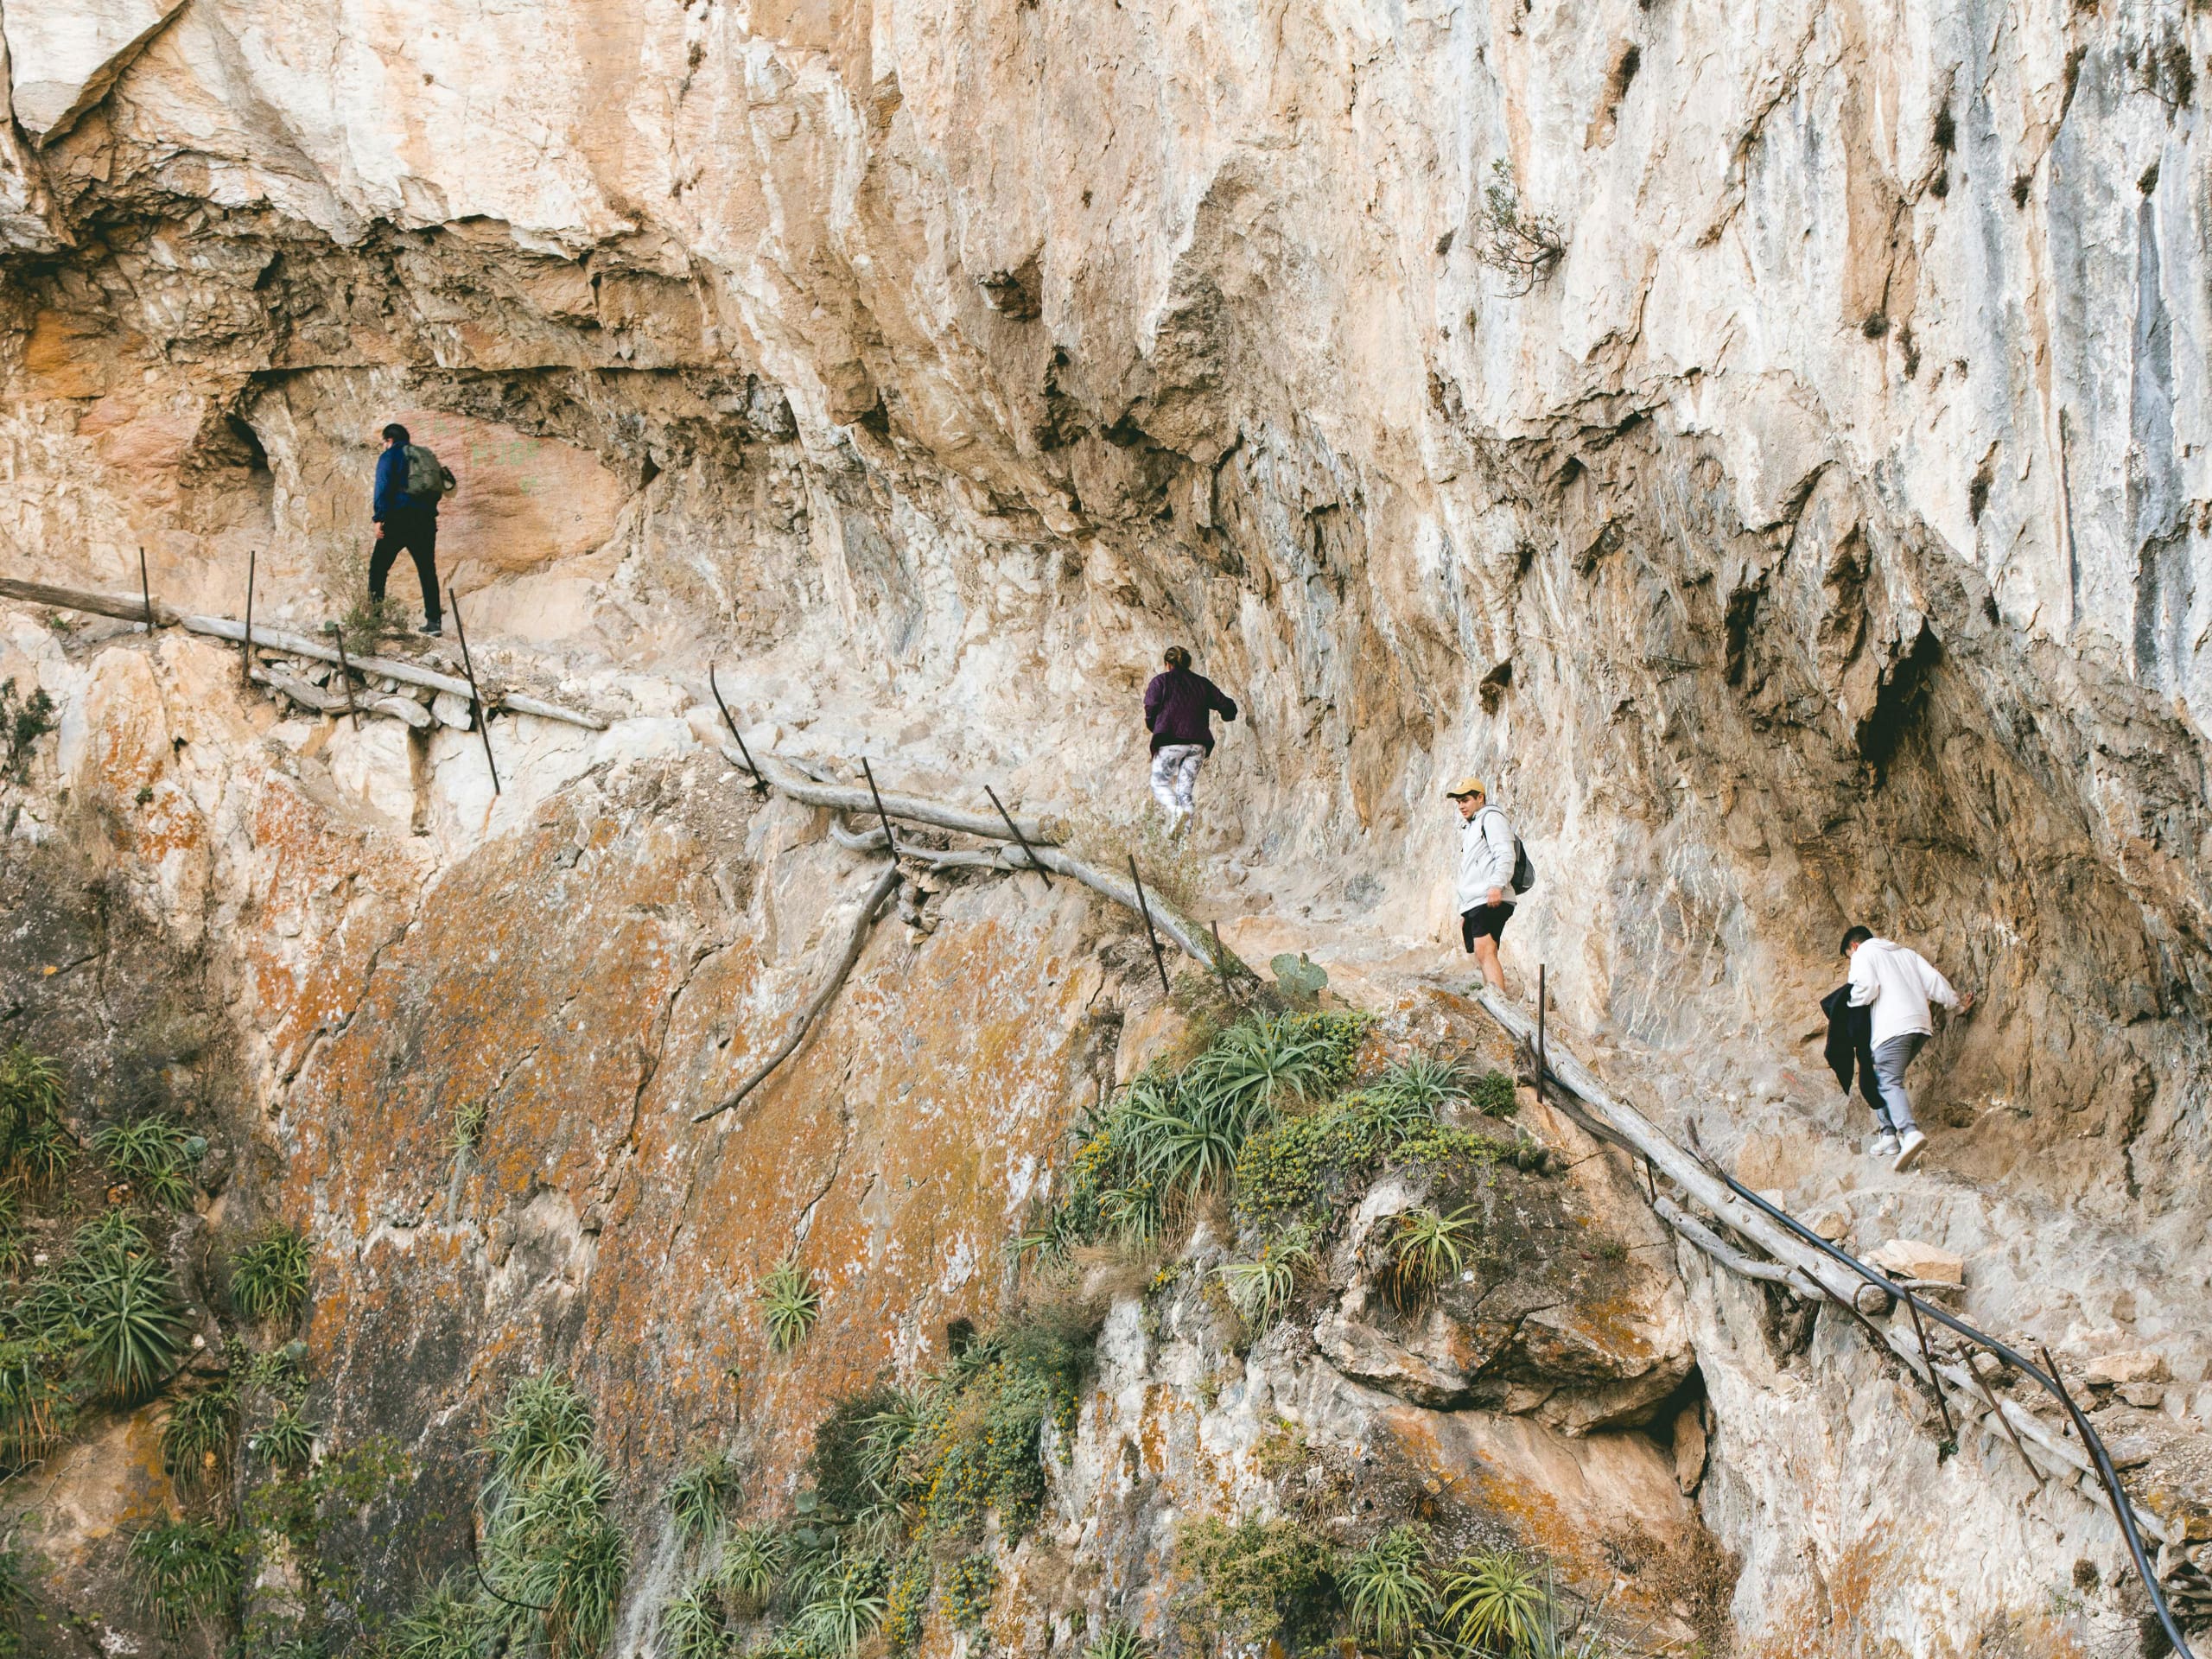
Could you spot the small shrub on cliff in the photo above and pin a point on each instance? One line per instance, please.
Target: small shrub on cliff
(844, 1607)
(189, 1570)
(1494, 1096)
(453, 1621)
(788, 1305)
(270, 1276)
(286, 1441)
(1388, 1588)
(23, 721)
(1261, 1577)
(754, 1560)
(972, 1585)
(1522, 245)
(1412, 1091)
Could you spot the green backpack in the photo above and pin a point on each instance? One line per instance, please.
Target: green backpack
(426, 476)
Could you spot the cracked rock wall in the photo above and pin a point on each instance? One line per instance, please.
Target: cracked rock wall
(1816, 540)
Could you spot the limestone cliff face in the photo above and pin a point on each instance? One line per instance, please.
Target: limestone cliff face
(1770, 444)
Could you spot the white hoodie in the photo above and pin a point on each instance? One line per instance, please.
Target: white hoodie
(1485, 858)
(1898, 985)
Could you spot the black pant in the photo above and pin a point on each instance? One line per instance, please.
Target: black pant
(416, 529)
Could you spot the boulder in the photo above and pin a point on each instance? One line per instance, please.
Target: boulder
(1912, 1258)
(2133, 1365)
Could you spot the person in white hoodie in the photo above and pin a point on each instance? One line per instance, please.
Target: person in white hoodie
(1896, 985)
(1485, 887)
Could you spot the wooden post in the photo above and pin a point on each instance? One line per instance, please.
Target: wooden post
(1145, 911)
(345, 676)
(890, 840)
(475, 696)
(246, 642)
(145, 590)
(1016, 830)
(760, 783)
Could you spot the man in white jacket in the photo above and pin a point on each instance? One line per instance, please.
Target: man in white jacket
(1485, 876)
(1896, 985)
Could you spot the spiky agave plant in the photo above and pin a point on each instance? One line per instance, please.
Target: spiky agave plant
(1414, 1089)
(126, 1308)
(844, 1607)
(155, 1155)
(701, 1499)
(788, 1305)
(1497, 1601)
(691, 1623)
(555, 1557)
(1117, 1639)
(271, 1276)
(35, 1142)
(1261, 1288)
(286, 1441)
(451, 1621)
(188, 1570)
(1388, 1586)
(1425, 1249)
(753, 1559)
(198, 1431)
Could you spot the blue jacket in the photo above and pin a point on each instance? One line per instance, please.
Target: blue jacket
(391, 485)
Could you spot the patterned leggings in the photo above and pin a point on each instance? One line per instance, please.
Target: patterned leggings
(1174, 775)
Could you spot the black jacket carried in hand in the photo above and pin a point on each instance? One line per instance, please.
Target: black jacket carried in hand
(1851, 1043)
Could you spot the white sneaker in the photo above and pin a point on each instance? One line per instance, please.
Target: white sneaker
(1910, 1148)
(1883, 1146)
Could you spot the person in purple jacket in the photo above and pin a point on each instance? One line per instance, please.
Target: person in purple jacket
(1177, 707)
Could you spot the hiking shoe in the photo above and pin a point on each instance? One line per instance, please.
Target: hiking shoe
(1910, 1148)
(435, 628)
(1883, 1146)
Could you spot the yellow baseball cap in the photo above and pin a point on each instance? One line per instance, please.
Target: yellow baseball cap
(1467, 786)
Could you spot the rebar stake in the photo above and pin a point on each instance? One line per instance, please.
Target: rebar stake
(760, 783)
(346, 675)
(1145, 910)
(146, 590)
(475, 696)
(889, 839)
(245, 640)
(1543, 998)
(1033, 862)
(1928, 1358)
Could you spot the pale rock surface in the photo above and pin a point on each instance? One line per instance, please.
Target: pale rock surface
(1913, 1258)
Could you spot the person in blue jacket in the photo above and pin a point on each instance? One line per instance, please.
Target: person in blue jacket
(405, 520)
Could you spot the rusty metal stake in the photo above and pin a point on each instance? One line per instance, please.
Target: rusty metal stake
(246, 642)
(1926, 1358)
(1018, 836)
(1542, 999)
(146, 591)
(1145, 911)
(346, 675)
(889, 840)
(1221, 963)
(760, 783)
(475, 696)
(1982, 1387)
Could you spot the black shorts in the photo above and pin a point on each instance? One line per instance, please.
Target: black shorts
(1484, 922)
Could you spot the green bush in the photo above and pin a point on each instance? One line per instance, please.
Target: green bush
(554, 1558)
(1494, 1096)
(155, 1155)
(271, 1276)
(788, 1305)
(972, 1585)
(754, 1560)
(1261, 1577)
(844, 1605)
(853, 1451)
(906, 1601)
(15, 1599)
(189, 1570)
(1387, 1584)
(454, 1620)
(23, 721)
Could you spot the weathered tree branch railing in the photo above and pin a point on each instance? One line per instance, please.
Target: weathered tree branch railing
(1016, 847)
(1815, 1269)
(157, 615)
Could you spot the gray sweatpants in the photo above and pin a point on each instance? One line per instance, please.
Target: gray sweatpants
(1890, 1062)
